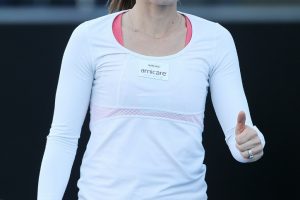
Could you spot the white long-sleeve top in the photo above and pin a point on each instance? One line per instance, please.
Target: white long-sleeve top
(146, 114)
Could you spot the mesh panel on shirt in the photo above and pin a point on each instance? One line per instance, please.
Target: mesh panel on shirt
(101, 112)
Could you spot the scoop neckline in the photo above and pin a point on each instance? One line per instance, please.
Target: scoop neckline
(130, 52)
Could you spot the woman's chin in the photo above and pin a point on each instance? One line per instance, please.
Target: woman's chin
(163, 2)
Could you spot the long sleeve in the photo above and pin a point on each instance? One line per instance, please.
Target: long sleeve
(71, 104)
(227, 92)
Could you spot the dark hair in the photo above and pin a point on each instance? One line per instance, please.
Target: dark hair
(118, 5)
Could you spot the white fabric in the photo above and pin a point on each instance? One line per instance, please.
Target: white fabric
(146, 133)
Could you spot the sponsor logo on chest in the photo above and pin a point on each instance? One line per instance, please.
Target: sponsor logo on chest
(153, 70)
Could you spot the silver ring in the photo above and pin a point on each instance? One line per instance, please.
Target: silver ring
(250, 154)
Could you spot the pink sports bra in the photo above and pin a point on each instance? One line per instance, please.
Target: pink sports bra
(117, 29)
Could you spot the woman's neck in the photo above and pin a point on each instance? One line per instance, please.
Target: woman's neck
(154, 19)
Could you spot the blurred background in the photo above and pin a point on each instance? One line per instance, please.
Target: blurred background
(34, 34)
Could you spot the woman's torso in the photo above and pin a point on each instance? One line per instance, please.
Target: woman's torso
(146, 118)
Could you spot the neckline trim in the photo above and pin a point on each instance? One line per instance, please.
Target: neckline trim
(136, 54)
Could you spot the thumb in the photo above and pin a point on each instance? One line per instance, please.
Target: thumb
(241, 119)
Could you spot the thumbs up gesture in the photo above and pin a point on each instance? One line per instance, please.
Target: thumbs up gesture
(247, 140)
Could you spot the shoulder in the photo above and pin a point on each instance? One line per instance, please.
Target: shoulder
(208, 30)
(202, 22)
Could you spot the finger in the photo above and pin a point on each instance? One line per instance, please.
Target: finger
(248, 134)
(241, 119)
(257, 156)
(249, 144)
(256, 151)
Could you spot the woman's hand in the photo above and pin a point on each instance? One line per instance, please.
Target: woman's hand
(247, 140)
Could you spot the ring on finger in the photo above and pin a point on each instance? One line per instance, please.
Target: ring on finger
(250, 154)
